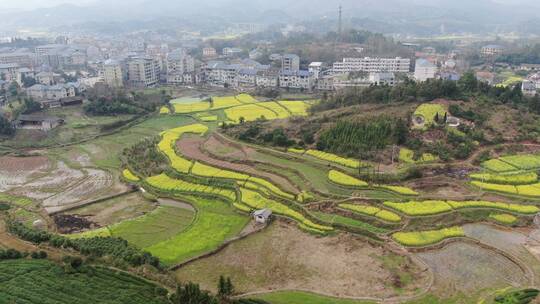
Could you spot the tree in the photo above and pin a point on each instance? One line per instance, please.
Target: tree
(222, 288)
(5, 126)
(31, 106)
(191, 293)
(13, 89)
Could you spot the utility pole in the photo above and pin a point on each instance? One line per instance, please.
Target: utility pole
(340, 23)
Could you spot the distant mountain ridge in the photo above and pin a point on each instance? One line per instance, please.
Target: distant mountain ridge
(397, 15)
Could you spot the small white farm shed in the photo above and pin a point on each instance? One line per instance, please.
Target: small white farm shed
(262, 216)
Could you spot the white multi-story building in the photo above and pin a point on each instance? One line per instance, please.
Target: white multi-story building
(143, 71)
(267, 78)
(230, 52)
(209, 52)
(372, 65)
(492, 50)
(290, 62)
(112, 74)
(315, 69)
(56, 92)
(424, 70)
(296, 80)
(382, 78)
(10, 72)
(528, 88)
(45, 78)
(179, 63)
(23, 59)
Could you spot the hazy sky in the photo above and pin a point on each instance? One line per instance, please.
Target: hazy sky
(29, 4)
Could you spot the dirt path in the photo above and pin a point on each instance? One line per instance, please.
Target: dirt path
(191, 148)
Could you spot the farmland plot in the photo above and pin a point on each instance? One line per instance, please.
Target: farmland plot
(15, 171)
(59, 179)
(484, 269)
(283, 257)
(94, 184)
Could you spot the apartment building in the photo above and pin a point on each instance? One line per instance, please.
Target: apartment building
(179, 63)
(296, 80)
(290, 63)
(267, 78)
(143, 71)
(209, 52)
(112, 74)
(23, 59)
(372, 65)
(492, 50)
(424, 70)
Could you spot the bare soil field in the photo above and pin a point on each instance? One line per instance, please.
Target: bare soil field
(191, 148)
(283, 257)
(18, 170)
(466, 268)
(223, 149)
(519, 243)
(115, 210)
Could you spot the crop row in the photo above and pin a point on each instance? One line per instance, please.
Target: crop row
(532, 190)
(503, 218)
(166, 183)
(128, 175)
(297, 108)
(433, 207)
(513, 163)
(429, 237)
(168, 140)
(382, 214)
(407, 156)
(399, 189)
(513, 179)
(344, 179)
(348, 162)
(185, 108)
(249, 112)
(428, 111)
(256, 201)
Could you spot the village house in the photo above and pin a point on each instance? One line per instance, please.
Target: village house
(38, 122)
(54, 92)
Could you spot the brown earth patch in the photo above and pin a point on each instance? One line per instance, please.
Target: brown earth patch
(190, 147)
(283, 257)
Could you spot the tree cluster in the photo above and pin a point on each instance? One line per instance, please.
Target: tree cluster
(116, 248)
(411, 91)
(352, 138)
(6, 128)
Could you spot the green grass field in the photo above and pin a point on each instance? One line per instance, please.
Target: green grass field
(297, 297)
(40, 281)
(216, 222)
(159, 225)
(347, 221)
